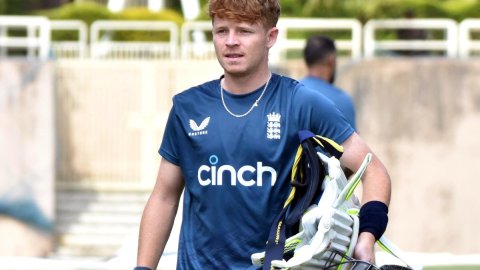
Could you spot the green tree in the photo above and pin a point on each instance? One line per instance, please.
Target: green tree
(3, 7)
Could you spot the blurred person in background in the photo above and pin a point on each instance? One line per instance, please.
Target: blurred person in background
(411, 34)
(220, 150)
(320, 57)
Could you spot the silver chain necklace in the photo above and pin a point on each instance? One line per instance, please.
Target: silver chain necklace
(255, 104)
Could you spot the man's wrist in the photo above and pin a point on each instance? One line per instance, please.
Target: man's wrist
(374, 218)
(141, 268)
(367, 237)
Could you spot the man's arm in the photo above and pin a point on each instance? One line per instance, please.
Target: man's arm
(159, 214)
(376, 187)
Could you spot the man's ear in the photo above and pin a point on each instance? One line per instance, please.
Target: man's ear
(332, 60)
(272, 35)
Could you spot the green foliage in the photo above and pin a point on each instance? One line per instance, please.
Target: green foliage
(89, 12)
(18, 7)
(460, 10)
(3, 7)
(174, 4)
(203, 16)
(145, 14)
(376, 9)
(84, 11)
(362, 10)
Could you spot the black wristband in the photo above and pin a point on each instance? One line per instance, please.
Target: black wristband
(141, 268)
(373, 218)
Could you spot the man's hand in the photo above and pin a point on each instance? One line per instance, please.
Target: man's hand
(364, 250)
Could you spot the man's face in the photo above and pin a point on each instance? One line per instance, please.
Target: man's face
(241, 48)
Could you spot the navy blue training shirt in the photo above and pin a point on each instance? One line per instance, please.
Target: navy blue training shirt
(236, 170)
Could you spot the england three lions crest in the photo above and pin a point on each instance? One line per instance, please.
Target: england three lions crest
(273, 126)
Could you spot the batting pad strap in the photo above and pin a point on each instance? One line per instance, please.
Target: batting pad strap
(141, 268)
(373, 218)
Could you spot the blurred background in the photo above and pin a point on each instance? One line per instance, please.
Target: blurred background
(86, 87)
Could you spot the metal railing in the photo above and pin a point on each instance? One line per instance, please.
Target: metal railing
(288, 25)
(448, 44)
(201, 49)
(102, 46)
(70, 48)
(29, 33)
(467, 44)
(195, 40)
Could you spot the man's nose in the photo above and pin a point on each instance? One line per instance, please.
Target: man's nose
(232, 39)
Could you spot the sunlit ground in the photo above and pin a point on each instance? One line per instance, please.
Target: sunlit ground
(441, 261)
(434, 261)
(453, 267)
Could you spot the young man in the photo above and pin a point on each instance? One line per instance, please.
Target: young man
(229, 144)
(320, 56)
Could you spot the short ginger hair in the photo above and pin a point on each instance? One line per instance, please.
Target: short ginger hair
(251, 11)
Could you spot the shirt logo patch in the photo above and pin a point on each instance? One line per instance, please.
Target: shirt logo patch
(199, 129)
(273, 126)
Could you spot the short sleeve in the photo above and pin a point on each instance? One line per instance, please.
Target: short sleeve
(168, 148)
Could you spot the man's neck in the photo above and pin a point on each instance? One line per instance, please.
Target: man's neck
(319, 72)
(244, 84)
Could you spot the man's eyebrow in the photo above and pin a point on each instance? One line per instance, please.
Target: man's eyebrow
(219, 27)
